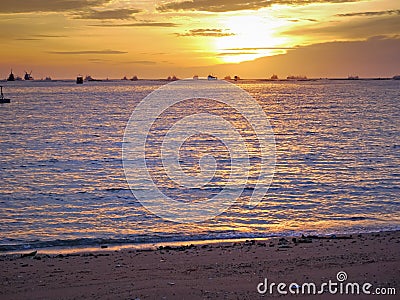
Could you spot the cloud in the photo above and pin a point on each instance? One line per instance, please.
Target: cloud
(82, 9)
(98, 60)
(250, 50)
(49, 36)
(356, 29)
(298, 20)
(117, 14)
(371, 13)
(234, 5)
(29, 6)
(375, 57)
(259, 48)
(236, 53)
(206, 32)
(141, 62)
(139, 24)
(38, 37)
(27, 39)
(85, 52)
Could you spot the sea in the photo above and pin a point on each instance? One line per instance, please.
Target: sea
(62, 179)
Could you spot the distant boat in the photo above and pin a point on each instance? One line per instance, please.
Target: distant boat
(396, 77)
(134, 78)
(352, 77)
(90, 78)
(195, 77)
(211, 77)
(11, 76)
(236, 78)
(274, 77)
(298, 77)
(48, 78)
(125, 78)
(28, 76)
(2, 99)
(173, 78)
(79, 79)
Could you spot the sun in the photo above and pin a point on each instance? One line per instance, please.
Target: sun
(253, 36)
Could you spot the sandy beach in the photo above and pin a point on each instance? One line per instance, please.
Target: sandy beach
(208, 271)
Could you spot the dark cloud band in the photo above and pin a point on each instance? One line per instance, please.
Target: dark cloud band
(234, 5)
(85, 52)
(371, 13)
(139, 24)
(28, 6)
(206, 32)
(117, 14)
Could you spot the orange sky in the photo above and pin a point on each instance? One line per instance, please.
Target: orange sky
(154, 39)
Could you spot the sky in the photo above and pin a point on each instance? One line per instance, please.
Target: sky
(159, 38)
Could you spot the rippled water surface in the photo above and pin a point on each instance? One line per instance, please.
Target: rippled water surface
(62, 180)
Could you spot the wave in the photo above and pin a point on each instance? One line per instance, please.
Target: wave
(148, 240)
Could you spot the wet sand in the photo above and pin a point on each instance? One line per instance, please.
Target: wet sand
(209, 271)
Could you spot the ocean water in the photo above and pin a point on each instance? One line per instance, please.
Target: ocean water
(63, 182)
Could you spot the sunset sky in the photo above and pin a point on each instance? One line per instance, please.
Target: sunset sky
(154, 39)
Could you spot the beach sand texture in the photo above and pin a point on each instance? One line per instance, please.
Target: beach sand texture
(208, 271)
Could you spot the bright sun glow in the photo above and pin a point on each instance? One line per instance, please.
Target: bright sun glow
(253, 35)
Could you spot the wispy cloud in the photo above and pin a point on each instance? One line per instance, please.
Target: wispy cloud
(97, 60)
(371, 13)
(28, 6)
(234, 5)
(49, 36)
(138, 24)
(38, 37)
(235, 53)
(27, 39)
(206, 32)
(140, 62)
(298, 20)
(259, 48)
(86, 52)
(117, 14)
